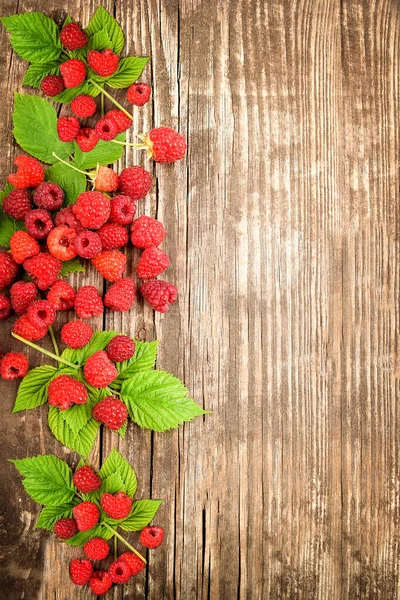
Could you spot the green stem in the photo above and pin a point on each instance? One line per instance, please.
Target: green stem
(46, 352)
(53, 339)
(69, 165)
(140, 146)
(113, 100)
(123, 540)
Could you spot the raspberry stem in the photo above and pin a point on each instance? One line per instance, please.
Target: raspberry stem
(70, 165)
(43, 351)
(139, 146)
(113, 100)
(123, 540)
(53, 339)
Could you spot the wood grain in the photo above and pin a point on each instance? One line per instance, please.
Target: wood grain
(283, 232)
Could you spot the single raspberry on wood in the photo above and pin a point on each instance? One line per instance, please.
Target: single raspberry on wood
(72, 37)
(29, 172)
(83, 106)
(65, 528)
(52, 85)
(87, 244)
(43, 269)
(110, 264)
(49, 196)
(60, 242)
(159, 294)
(8, 269)
(100, 582)
(120, 348)
(76, 334)
(166, 145)
(106, 129)
(106, 180)
(41, 313)
(73, 72)
(96, 549)
(113, 236)
(64, 391)
(22, 294)
(152, 536)
(86, 480)
(38, 223)
(138, 93)
(17, 204)
(147, 232)
(152, 263)
(135, 563)
(24, 328)
(119, 571)
(92, 209)
(86, 515)
(121, 295)
(99, 371)
(117, 506)
(5, 307)
(80, 571)
(104, 63)
(22, 246)
(66, 216)
(135, 182)
(123, 210)
(67, 128)
(122, 121)
(61, 295)
(13, 365)
(87, 139)
(88, 302)
(111, 412)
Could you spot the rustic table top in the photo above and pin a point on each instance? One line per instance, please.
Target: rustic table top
(283, 230)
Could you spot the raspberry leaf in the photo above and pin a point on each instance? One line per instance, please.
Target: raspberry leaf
(34, 36)
(8, 226)
(103, 20)
(80, 538)
(129, 70)
(71, 266)
(143, 512)
(99, 41)
(82, 441)
(32, 391)
(35, 73)
(143, 360)
(49, 515)
(116, 464)
(72, 182)
(103, 153)
(70, 93)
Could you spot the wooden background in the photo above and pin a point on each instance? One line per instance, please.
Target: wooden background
(283, 229)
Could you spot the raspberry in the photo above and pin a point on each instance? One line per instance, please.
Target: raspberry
(29, 172)
(8, 269)
(17, 204)
(41, 313)
(103, 63)
(152, 536)
(138, 93)
(73, 72)
(147, 232)
(43, 269)
(52, 85)
(87, 139)
(119, 571)
(76, 334)
(5, 307)
(39, 223)
(166, 145)
(111, 412)
(152, 263)
(99, 370)
(60, 242)
(22, 246)
(65, 528)
(67, 128)
(66, 217)
(61, 295)
(96, 549)
(13, 365)
(100, 582)
(86, 480)
(120, 348)
(117, 506)
(159, 294)
(24, 328)
(110, 264)
(92, 209)
(22, 293)
(48, 196)
(106, 129)
(135, 563)
(106, 180)
(122, 121)
(123, 210)
(86, 515)
(83, 106)
(64, 391)
(87, 244)
(88, 302)
(135, 182)
(121, 295)
(72, 37)
(80, 571)
(113, 236)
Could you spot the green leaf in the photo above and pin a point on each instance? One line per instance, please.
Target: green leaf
(50, 514)
(116, 464)
(99, 341)
(99, 41)
(77, 416)
(103, 20)
(143, 512)
(80, 538)
(129, 70)
(8, 226)
(72, 182)
(35, 129)
(71, 266)
(103, 153)
(82, 441)
(143, 360)
(32, 391)
(70, 93)
(35, 73)
(48, 479)
(122, 430)
(157, 400)
(34, 36)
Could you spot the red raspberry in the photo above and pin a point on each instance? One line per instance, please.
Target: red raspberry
(152, 263)
(96, 549)
(52, 85)
(117, 506)
(8, 269)
(22, 246)
(5, 307)
(64, 391)
(41, 313)
(113, 236)
(122, 121)
(159, 294)
(76, 334)
(48, 196)
(87, 244)
(88, 302)
(17, 204)
(66, 217)
(123, 210)
(72, 37)
(65, 528)
(147, 232)
(166, 145)
(13, 365)
(22, 293)
(43, 269)
(61, 295)
(110, 264)
(87, 139)
(60, 242)
(138, 93)
(24, 328)
(106, 180)
(100, 582)
(80, 571)
(67, 128)
(152, 536)
(29, 172)
(99, 370)
(103, 63)
(135, 182)
(86, 515)
(135, 563)
(39, 223)
(73, 72)
(121, 295)
(120, 348)
(83, 106)
(119, 571)
(106, 129)
(111, 412)
(86, 480)
(92, 209)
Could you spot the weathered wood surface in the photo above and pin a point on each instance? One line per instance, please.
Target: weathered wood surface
(283, 229)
